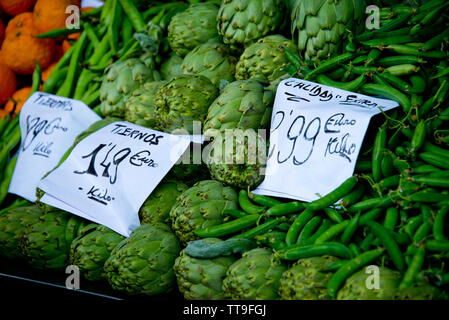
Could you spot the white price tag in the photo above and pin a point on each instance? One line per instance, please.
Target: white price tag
(91, 3)
(49, 125)
(109, 174)
(316, 135)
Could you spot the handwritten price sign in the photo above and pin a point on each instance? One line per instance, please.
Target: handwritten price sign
(316, 135)
(49, 124)
(109, 174)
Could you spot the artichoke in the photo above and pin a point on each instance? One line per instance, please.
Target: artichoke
(264, 59)
(355, 287)
(182, 101)
(305, 281)
(211, 60)
(46, 242)
(90, 250)
(143, 263)
(171, 67)
(243, 22)
(201, 206)
(243, 104)
(157, 206)
(192, 27)
(255, 276)
(120, 81)
(237, 158)
(139, 108)
(321, 25)
(201, 279)
(420, 291)
(12, 224)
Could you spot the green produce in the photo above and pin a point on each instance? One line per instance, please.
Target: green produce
(321, 25)
(45, 243)
(201, 279)
(157, 206)
(200, 207)
(420, 291)
(12, 224)
(171, 67)
(305, 281)
(211, 60)
(119, 83)
(254, 277)
(355, 287)
(143, 263)
(91, 248)
(139, 107)
(237, 158)
(264, 59)
(182, 101)
(243, 104)
(243, 22)
(192, 27)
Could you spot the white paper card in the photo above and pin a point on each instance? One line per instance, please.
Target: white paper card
(49, 125)
(316, 135)
(91, 3)
(110, 173)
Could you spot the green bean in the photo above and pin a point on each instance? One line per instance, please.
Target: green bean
(84, 80)
(37, 77)
(432, 181)
(412, 225)
(91, 34)
(127, 30)
(381, 42)
(234, 213)
(332, 232)
(350, 229)
(330, 248)
(419, 136)
(333, 215)
(57, 33)
(355, 195)
(391, 218)
(273, 239)
(228, 227)
(395, 81)
(285, 208)
(371, 215)
(397, 60)
(321, 229)
(386, 165)
(428, 196)
(363, 165)
(355, 250)
(387, 92)
(349, 268)
(437, 245)
(133, 14)
(55, 79)
(334, 266)
(6, 180)
(330, 64)
(247, 205)
(438, 226)
(367, 242)
(114, 26)
(414, 268)
(372, 203)
(100, 51)
(260, 229)
(402, 69)
(335, 195)
(92, 99)
(409, 50)
(353, 85)
(428, 147)
(308, 229)
(379, 146)
(293, 58)
(264, 200)
(422, 231)
(418, 85)
(295, 228)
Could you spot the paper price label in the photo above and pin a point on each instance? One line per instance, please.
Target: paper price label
(316, 135)
(109, 174)
(49, 125)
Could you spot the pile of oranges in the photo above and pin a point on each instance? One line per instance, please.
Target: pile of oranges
(20, 22)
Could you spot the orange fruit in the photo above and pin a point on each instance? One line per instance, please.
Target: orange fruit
(47, 72)
(8, 83)
(3, 113)
(22, 23)
(66, 46)
(51, 14)
(20, 50)
(16, 102)
(58, 53)
(2, 32)
(15, 7)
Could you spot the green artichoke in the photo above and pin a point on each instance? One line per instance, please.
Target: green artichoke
(211, 60)
(90, 250)
(237, 158)
(243, 104)
(12, 224)
(120, 81)
(46, 242)
(420, 291)
(143, 263)
(201, 206)
(321, 25)
(355, 287)
(255, 276)
(305, 281)
(171, 67)
(157, 206)
(243, 22)
(264, 59)
(201, 279)
(139, 108)
(182, 101)
(192, 27)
